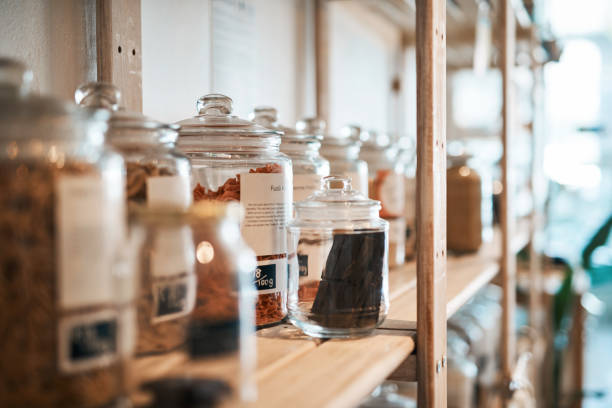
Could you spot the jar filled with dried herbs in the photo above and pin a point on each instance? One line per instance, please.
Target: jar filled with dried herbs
(303, 149)
(197, 303)
(66, 328)
(157, 175)
(386, 179)
(338, 283)
(342, 151)
(237, 160)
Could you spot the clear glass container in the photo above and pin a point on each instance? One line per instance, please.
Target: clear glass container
(407, 157)
(237, 160)
(342, 151)
(338, 283)
(386, 184)
(464, 204)
(303, 149)
(196, 307)
(67, 311)
(157, 175)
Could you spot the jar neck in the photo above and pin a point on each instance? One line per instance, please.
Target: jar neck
(236, 144)
(347, 152)
(297, 148)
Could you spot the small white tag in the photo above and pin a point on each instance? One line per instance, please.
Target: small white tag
(168, 191)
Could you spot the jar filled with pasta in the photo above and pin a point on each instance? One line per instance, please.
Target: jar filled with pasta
(67, 318)
(157, 175)
(235, 159)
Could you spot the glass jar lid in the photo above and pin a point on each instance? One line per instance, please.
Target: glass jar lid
(23, 115)
(337, 201)
(124, 126)
(373, 140)
(215, 118)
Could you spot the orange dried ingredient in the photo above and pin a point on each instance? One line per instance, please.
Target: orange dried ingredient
(271, 308)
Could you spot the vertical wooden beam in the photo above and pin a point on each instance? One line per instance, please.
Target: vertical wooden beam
(322, 59)
(507, 221)
(118, 41)
(431, 203)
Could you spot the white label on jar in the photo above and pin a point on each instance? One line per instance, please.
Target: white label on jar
(266, 198)
(168, 191)
(90, 219)
(397, 231)
(304, 185)
(390, 186)
(359, 182)
(88, 341)
(271, 276)
(173, 297)
(173, 252)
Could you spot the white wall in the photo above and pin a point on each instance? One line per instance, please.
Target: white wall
(51, 38)
(246, 49)
(362, 51)
(176, 61)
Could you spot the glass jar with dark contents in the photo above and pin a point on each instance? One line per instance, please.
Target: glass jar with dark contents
(237, 160)
(338, 283)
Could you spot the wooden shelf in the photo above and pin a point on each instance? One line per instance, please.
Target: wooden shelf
(298, 371)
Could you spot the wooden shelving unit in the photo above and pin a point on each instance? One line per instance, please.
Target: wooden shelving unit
(294, 370)
(298, 371)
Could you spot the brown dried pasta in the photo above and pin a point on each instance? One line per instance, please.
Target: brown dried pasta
(271, 307)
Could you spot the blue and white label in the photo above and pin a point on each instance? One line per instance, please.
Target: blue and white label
(271, 276)
(88, 341)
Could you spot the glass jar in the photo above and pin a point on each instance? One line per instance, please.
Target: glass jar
(407, 157)
(339, 276)
(237, 160)
(342, 151)
(67, 311)
(157, 175)
(463, 195)
(196, 307)
(386, 184)
(303, 149)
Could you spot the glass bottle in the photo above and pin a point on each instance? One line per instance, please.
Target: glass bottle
(157, 175)
(303, 149)
(386, 179)
(237, 160)
(196, 307)
(464, 203)
(341, 150)
(339, 277)
(67, 307)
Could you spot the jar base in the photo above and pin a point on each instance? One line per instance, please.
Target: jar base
(320, 332)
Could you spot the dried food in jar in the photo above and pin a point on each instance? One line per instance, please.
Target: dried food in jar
(137, 175)
(270, 307)
(32, 323)
(350, 290)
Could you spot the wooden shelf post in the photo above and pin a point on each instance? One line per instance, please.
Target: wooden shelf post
(507, 220)
(118, 44)
(431, 202)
